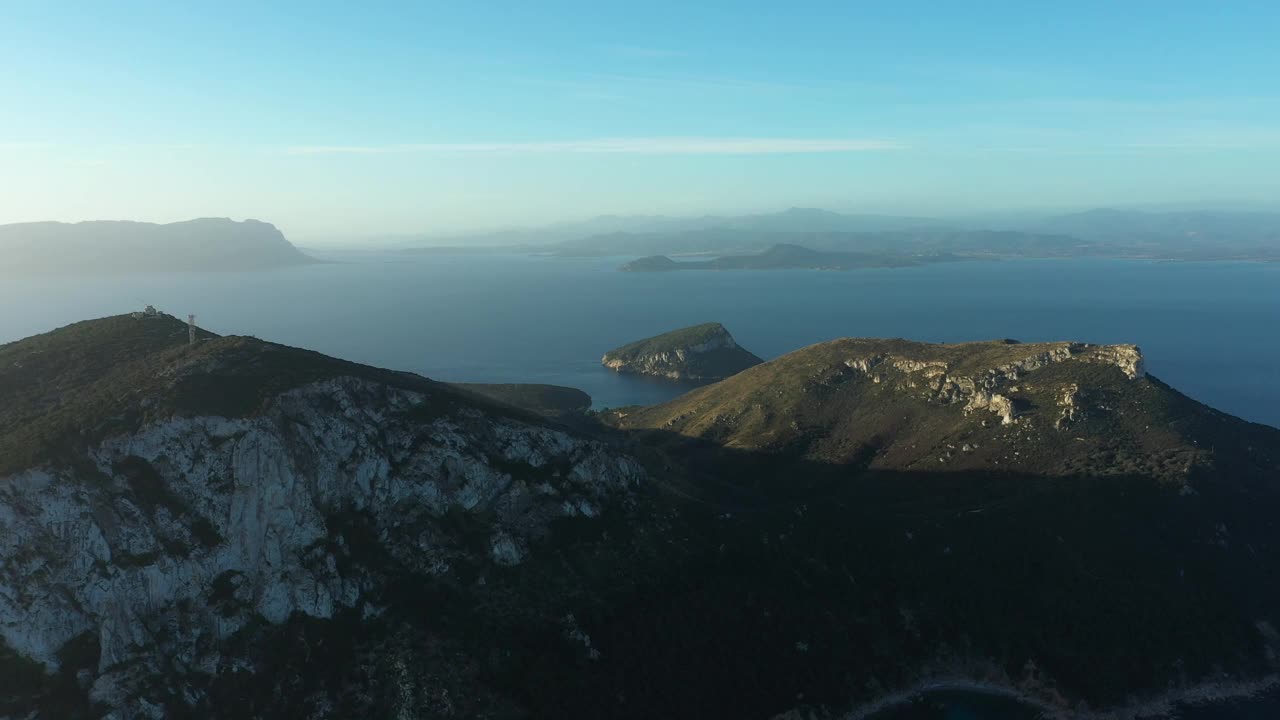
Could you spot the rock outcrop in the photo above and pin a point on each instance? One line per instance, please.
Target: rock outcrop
(982, 388)
(145, 563)
(699, 353)
(1048, 408)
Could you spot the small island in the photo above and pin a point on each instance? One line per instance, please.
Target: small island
(656, 263)
(786, 257)
(704, 352)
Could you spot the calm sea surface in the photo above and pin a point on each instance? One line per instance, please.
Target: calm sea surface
(1212, 330)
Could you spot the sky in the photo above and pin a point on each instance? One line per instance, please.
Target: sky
(350, 119)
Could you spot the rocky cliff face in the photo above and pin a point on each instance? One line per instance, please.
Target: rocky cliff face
(162, 545)
(698, 353)
(989, 388)
(672, 364)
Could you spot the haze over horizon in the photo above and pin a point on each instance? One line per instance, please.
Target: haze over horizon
(336, 121)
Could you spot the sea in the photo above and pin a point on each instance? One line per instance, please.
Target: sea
(1211, 330)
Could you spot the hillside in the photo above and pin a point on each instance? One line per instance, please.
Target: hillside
(207, 529)
(241, 528)
(109, 246)
(1046, 408)
(69, 388)
(553, 401)
(1043, 518)
(698, 353)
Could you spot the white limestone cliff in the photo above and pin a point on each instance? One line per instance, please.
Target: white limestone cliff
(988, 389)
(242, 511)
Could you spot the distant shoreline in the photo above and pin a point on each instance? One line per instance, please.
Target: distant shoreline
(694, 256)
(1155, 706)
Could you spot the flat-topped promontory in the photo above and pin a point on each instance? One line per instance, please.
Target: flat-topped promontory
(700, 352)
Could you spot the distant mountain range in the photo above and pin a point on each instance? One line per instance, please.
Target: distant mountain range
(866, 240)
(897, 244)
(121, 246)
(792, 220)
(1193, 235)
(1184, 235)
(1203, 225)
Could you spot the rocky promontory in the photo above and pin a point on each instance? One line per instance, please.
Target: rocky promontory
(704, 352)
(213, 244)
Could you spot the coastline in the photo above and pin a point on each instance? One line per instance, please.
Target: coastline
(1053, 706)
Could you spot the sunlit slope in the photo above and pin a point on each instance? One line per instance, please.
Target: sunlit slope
(1048, 408)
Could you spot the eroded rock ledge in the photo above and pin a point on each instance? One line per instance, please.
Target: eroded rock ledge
(990, 388)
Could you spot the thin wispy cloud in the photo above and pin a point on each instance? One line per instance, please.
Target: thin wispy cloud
(621, 146)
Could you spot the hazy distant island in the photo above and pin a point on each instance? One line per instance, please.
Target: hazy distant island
(899, 243)
(584, 233)
(894, 241)
(699, 353)
(785, 257)
(123, 246)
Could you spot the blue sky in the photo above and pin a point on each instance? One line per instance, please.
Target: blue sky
(363, 118)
